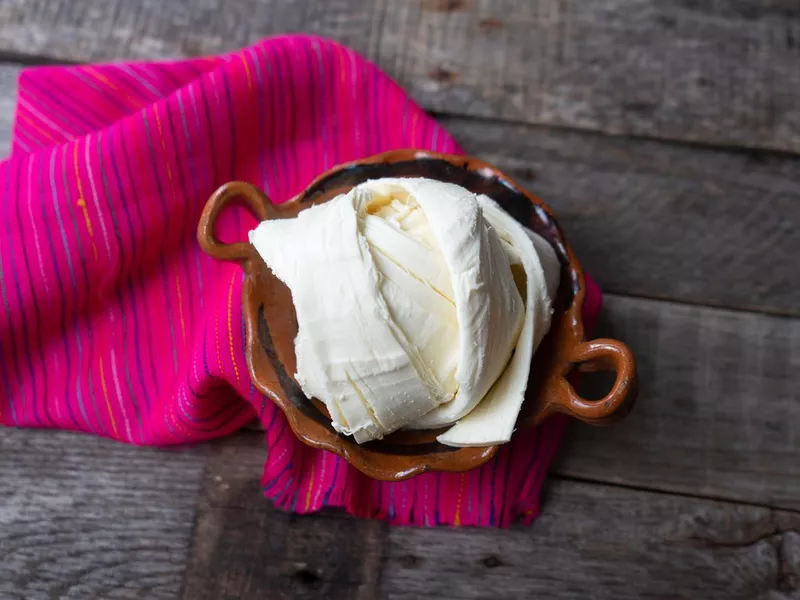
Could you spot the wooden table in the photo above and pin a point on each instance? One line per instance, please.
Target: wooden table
(665, 135)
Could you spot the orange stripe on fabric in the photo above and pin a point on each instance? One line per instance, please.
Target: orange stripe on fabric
(310, 485)
(100, 77)
(82, 202)
(164, 150)
(180, 304)
(340, 55)
(186, 430)
(247, 73)
(414, 120)
(33, 123)
(108, 401)
(216, 343)
(462, 481)
(230, 327)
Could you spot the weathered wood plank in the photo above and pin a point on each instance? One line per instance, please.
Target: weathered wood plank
(718, 410)
(8, 104)
(721, 73)
(592, 541)
(647, 218)
(659, 219)
(244, 548)
(83, 517)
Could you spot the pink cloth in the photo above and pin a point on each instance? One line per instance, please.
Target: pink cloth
(115, 324)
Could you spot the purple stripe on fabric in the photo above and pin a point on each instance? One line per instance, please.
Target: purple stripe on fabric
(77, 310)
(61, 292)
(206, 327)
(231, 123)
(165, 72)
(133, 397)
(67, 101)
(133, 299)
(237, 215)
(139, 274)
(262, 165)
(271, 135)
(16, 354)
(210, 129)
(139, 77)
(285, 176)
(43, 119)
(38, 318)
(313, 100)
(58, 112)
(164, 239)
(480, 491)
(195, 196)
(505, 511)
(321, 100)
(207, 424)
(189, 221)
(492, 508)
(131, 85)
(17, 142)
(4, 171)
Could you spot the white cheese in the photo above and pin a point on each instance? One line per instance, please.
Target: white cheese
(348, 355)
(408, 310)
(488, 305)
(492, 421)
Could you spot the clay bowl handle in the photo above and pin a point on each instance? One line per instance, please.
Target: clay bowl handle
(234, 192)
(608, 355)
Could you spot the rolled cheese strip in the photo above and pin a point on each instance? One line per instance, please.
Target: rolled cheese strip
(492, 421)
(348, 356)
(488, 306)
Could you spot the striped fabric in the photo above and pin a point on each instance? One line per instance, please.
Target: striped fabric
(114, 323)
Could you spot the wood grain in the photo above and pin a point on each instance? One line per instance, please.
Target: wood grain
(646, 218)
(719, 73)
(718, 408)
(592, 541)
(8, 104)
(84, 517)
(244, 548)
(658, 219)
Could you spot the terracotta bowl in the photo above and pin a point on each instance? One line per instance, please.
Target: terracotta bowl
(271, 322)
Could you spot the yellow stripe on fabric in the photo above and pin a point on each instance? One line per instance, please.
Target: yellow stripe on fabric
(81, 202)
(462, 481)
(32, 123)
(185, 429)
(164, 150)
(180, 305)
(247, 73)
(414, 120)
(310, 485)
(230, 327)
(100, 77)
(216, 344)
(108, 401)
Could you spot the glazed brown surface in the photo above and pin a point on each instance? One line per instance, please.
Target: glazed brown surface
(271, 322)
